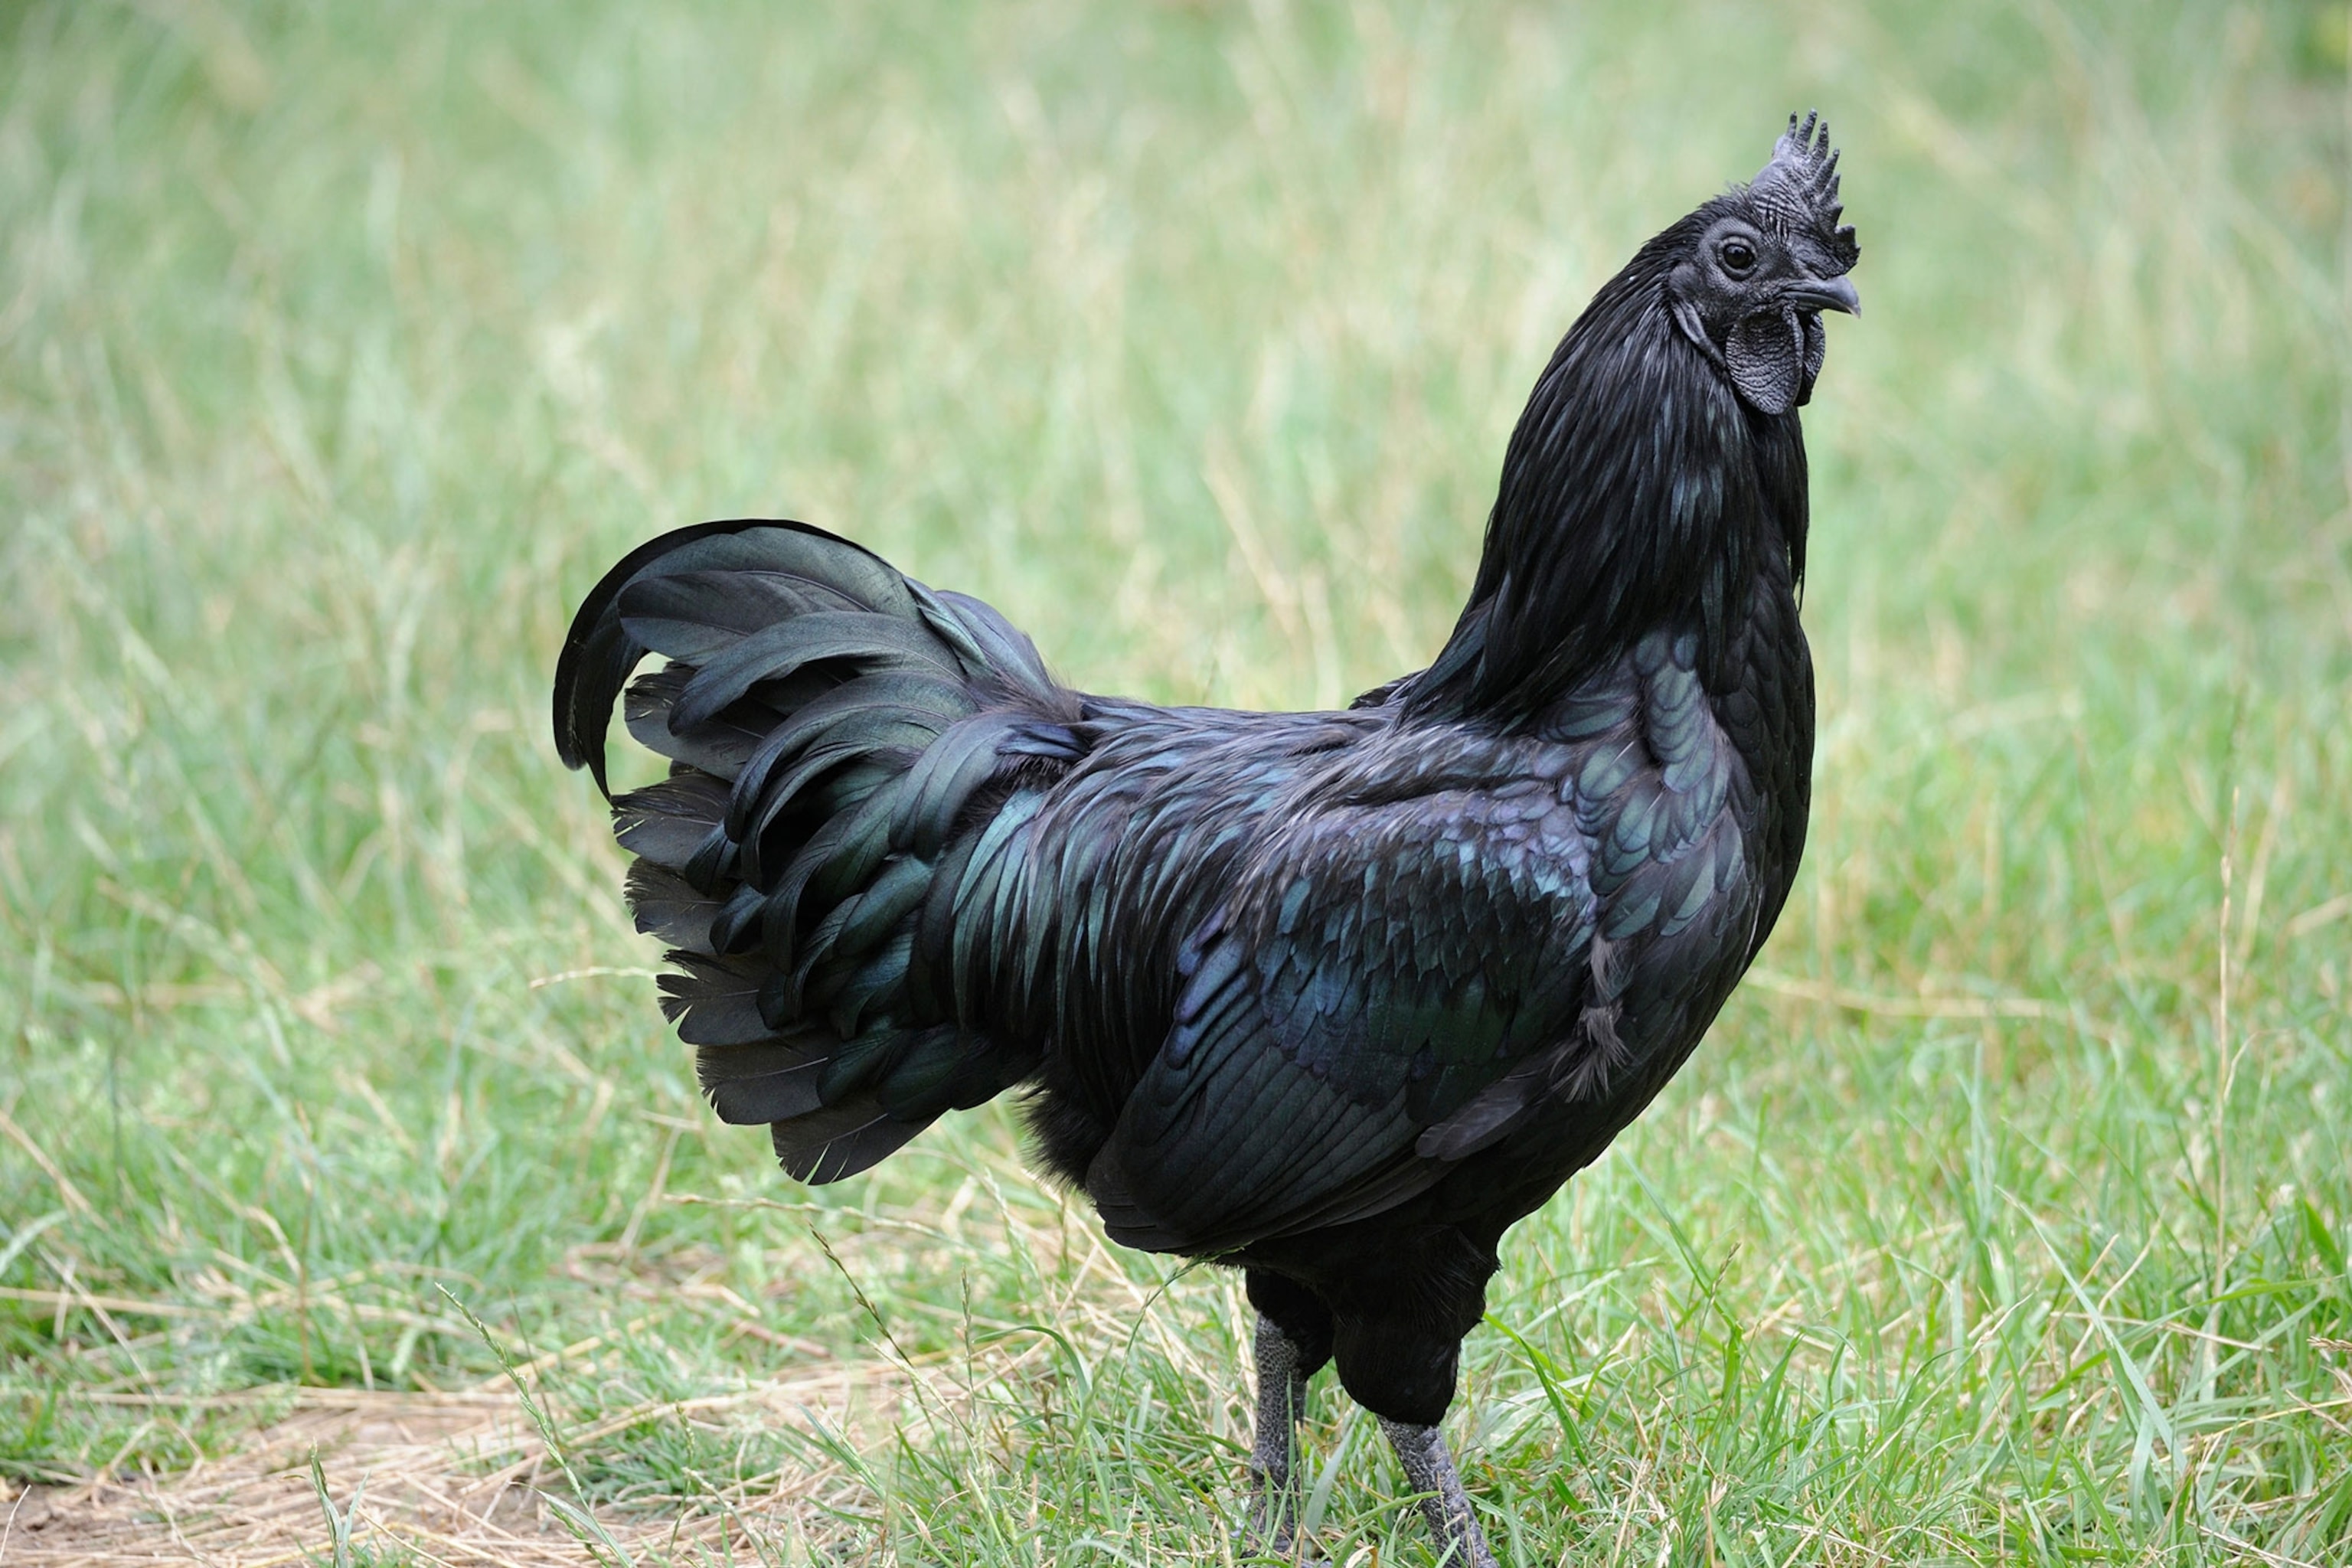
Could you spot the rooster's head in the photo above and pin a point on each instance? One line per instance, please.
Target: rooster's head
(1768, 259)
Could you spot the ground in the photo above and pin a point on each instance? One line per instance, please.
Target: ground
(2005, 1219)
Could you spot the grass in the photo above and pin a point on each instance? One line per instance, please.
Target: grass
(2003, 1219)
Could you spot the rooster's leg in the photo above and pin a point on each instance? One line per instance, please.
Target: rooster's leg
(1274, 1456)
(1429, 1470)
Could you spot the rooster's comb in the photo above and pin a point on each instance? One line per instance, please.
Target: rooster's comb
(1798, 190)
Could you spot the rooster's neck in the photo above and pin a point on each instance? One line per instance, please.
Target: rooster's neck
(1638, 490)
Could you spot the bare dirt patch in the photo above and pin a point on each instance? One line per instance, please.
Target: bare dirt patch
(461, 1478)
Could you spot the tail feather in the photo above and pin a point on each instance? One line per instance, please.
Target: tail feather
(964, 757)
(854, 853)
(665, 823)
(847, 995)
(719, 748)
(770, 1083)
(665, 905)
(841, 1140)
(691, 616)
(861, 921)
(598, 652)
(986, 640)
(716, 1002)
(845, 714)
(840, 737)
(774, 653)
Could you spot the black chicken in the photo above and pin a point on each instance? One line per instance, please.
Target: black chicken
(1331, 997)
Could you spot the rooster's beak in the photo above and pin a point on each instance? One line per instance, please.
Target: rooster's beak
(1826, 294)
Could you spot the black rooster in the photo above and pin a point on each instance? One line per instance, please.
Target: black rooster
(1331, 997)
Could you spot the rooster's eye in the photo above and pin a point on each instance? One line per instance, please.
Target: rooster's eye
(1738, 257)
